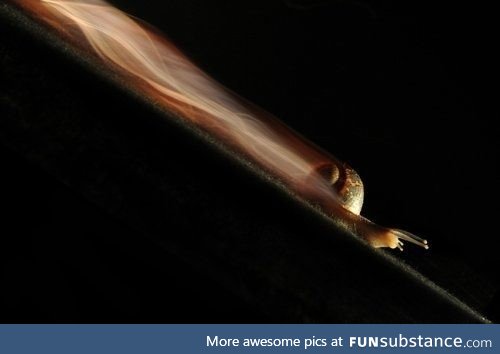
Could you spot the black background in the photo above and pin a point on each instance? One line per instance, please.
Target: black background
(400, 90)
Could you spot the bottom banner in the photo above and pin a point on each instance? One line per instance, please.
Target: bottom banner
(147, 339)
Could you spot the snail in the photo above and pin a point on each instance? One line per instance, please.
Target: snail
(154, 68)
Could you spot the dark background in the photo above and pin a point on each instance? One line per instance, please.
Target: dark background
(401, 91)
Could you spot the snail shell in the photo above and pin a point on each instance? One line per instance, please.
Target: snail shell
(346, 183)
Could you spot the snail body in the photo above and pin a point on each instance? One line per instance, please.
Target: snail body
(155, 69)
